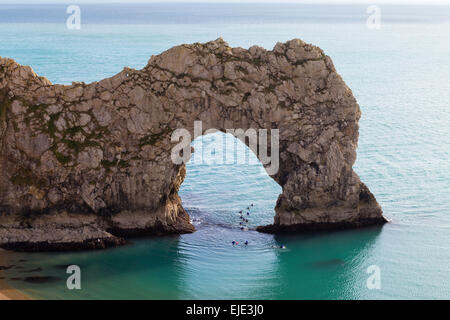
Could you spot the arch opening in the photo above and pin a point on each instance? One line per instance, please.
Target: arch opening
(224, 177)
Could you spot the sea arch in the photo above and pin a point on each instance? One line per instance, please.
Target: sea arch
(95, 159)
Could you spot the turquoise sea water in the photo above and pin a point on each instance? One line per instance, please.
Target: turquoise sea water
(400, 76)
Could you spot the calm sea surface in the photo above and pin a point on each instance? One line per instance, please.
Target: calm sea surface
(400, 75)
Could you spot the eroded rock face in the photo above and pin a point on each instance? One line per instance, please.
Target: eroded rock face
(92, 161)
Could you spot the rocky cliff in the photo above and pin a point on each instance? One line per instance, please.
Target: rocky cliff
(87, 165)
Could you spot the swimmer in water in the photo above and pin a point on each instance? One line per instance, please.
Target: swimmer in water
(248, 213)
(233, 242)
(246, 243)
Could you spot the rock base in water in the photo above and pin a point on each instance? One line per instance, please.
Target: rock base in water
(316, 227)
(91, 244)
(75, 232)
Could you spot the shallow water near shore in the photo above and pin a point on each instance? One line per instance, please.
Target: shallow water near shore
(400, 76)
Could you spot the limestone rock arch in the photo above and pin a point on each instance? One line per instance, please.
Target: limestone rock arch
(84, 165)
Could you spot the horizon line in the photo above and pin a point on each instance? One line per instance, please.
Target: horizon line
(309, 2)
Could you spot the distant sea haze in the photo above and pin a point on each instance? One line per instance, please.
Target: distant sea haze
(198, 13)
(400, 76)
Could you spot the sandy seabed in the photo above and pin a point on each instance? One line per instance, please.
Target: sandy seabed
(6, 291)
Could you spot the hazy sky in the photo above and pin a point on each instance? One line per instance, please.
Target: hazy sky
(234, 1)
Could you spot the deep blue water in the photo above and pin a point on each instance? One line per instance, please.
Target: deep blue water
(400, 76)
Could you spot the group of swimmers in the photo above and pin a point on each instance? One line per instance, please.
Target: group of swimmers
(235, 243)
(243, 224)
(244, 220)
